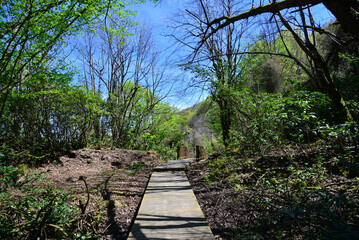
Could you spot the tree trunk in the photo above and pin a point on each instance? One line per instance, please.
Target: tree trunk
(326, 82)
(225, 118)
(97, 127)
(323, 76)
(346, 12)
(200, 152)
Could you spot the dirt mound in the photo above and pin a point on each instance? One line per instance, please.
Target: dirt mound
(116, 179)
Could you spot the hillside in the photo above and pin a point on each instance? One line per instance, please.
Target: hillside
(90, 194)
(198, 123)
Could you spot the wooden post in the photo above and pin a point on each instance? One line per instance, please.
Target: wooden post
(182, 152)
(200, 152)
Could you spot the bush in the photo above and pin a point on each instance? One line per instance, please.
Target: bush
(29, 211)
(263, 121)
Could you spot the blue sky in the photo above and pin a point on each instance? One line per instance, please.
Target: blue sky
(158, 15)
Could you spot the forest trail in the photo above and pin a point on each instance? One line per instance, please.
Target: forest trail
(169, 209)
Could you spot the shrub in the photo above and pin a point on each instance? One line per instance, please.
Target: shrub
(29, 211)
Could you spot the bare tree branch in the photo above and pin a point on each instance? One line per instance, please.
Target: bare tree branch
(269, 8)
(346, 12)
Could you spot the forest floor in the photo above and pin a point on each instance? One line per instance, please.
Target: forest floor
(274, 197)
(116, 181)
(263, 198)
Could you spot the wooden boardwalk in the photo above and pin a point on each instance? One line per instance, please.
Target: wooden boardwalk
(169, 209)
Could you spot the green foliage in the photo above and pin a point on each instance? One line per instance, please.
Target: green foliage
(167, 131)
(289, 194)
(42, 114)
(145, 124)
(262, 121)
(65, 117)
(137, 166)
(284, 197)
(271, 63)
(31, 211)
(32, 36)
(60, 116)
(32, 31)
(211, 145)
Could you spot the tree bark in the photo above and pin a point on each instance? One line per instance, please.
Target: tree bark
(225, 118)
(322, 72)
(200, 152)
(346, 12)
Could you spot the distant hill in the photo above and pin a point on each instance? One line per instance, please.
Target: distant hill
(198, 124)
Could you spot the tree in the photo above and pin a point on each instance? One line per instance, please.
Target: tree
(346, 12)
(320, 72)
(31, 31)
(48, 115)
(41, 110)
(124, 69)
(217, 66)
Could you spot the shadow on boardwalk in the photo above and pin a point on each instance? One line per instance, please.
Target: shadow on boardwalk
(169, 209)
(175, 227)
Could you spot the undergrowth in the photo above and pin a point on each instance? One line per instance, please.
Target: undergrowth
(32, 209)
(310, 193)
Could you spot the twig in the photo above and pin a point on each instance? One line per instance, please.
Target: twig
(82, 207)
